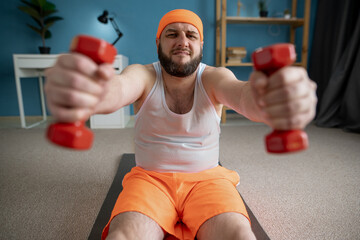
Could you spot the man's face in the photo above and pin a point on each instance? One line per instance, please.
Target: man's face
(180, 49)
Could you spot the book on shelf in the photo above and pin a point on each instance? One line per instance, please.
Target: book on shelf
(234, 55)
(236, 51)
(234, 60)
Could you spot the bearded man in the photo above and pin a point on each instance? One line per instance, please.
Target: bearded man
(177, 189)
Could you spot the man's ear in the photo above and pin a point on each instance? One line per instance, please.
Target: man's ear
(202, 47)
(157, 41)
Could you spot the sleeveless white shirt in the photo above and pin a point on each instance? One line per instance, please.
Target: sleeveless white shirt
(169, 142)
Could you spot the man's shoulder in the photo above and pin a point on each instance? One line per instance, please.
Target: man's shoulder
(211, 72)
(145, 72)
(142, 67)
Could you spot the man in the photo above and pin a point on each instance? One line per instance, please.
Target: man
(177, 188)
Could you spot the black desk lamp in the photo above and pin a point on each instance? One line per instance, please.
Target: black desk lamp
(104, 19)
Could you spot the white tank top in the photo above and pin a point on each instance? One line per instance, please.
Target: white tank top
(169, 142)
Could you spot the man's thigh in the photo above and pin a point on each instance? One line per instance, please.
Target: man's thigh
(225, 226)
(134, 225)
(143, 195)
(209, 199)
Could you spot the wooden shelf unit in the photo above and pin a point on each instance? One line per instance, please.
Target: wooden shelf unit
(296, 22)
(221, 29)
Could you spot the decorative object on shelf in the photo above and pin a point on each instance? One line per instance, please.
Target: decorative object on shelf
(104, 19)
(234, 55)
(42, 12)
(239, 6)
(287, 14)
(263, 10)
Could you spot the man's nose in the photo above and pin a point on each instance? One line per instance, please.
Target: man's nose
(182, 40)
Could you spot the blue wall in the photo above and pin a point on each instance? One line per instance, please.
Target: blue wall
(138, 21)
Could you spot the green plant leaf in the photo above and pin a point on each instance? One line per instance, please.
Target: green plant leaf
(36, 5)
(47, 26)
(52, 20)
(47, 34)
(41, 2)
(32, 12)
(34, 28)
(262, 5)
(30, 4)
(49, 12)
(49, 6)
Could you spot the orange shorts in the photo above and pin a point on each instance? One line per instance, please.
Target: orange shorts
(179, 202)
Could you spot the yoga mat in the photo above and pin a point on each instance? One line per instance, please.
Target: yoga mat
(127, 162)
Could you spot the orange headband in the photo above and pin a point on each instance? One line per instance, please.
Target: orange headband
(181, 15)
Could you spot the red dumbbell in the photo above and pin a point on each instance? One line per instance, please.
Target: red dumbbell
(76, 135)
(269, 60)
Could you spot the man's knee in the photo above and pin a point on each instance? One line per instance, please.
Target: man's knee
(116, 235)
(133, 225)
(243, 231)
(227, 226)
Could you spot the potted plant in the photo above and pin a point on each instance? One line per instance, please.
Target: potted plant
(41, 11)
(287, 14)
(263, 10)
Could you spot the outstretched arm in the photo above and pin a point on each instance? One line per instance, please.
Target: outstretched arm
(124, 89)
(285, 100)
(76, 87)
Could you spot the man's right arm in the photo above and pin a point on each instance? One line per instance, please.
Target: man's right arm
(76, 87)
(127, 88)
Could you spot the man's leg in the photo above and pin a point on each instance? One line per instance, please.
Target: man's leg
(134, 226)
(232, 226)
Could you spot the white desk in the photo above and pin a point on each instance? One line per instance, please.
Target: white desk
(33, 65)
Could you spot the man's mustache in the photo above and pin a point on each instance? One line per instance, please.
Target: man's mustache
(182, 50)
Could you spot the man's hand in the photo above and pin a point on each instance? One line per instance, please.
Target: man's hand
(287, 99)
(75, 85)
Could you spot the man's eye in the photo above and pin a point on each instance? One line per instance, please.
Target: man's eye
(192, 36)
(171, 35)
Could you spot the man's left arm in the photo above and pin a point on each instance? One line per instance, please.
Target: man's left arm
(285, 100)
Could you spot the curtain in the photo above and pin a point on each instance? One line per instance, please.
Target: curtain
(334, 64)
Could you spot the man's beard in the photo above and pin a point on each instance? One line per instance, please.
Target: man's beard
(178, 70)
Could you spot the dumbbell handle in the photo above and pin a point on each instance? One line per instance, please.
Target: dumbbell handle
(76, 135)
(269, 60)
